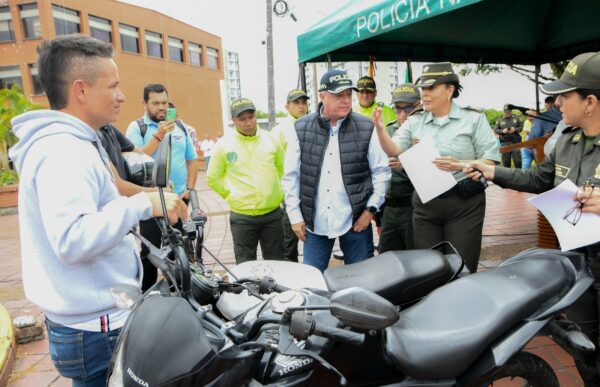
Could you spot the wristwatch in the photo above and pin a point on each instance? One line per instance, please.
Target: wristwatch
(372, 210)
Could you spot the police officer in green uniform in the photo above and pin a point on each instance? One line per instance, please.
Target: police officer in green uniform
(396, 224)
(509, 128)
(576, 157)
(367, 92)
(460, 134)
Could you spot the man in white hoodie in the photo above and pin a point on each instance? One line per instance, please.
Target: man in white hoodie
(74, 225)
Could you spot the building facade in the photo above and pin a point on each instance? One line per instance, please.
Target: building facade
(149, 48)
(231, 86)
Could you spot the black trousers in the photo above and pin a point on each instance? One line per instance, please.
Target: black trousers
(290, 240)
(514, 155)
(454, 219)
(150, 230)
(396, 229)
(247, 231)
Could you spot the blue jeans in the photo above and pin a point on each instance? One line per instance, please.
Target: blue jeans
(82, 356)
(206, 162)
(526, 158)
(357, 246)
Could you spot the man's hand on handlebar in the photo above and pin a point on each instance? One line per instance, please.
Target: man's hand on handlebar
(176, 208)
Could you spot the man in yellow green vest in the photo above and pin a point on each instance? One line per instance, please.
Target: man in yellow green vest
(246, 169)
(367, 91)
(297, 106)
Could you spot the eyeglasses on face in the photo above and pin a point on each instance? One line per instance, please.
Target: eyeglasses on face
(583, 195)
(406, 109)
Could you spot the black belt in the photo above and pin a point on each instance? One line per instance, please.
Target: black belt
(398, 202)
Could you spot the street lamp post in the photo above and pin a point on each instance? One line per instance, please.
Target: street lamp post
(270, 67)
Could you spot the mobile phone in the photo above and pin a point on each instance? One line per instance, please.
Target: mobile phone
(171, 114)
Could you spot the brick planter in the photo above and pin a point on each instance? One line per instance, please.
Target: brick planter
(9, 195)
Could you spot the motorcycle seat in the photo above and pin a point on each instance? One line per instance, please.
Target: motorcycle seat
(441, 336)
(401, 277)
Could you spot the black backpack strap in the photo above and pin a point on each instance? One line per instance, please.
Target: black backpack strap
(180, 124)
(143, 127)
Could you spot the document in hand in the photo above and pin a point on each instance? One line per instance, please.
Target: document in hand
(428, 180)
(557, 203)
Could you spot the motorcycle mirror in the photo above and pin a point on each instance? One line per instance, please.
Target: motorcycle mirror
(162, 161)
(125, 296)
(360, 308)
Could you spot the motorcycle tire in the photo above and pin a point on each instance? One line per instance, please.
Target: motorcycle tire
(529, 367)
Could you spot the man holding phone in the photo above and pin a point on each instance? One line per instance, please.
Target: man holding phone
(146, 133)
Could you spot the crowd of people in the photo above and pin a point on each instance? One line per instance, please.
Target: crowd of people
(316, 177)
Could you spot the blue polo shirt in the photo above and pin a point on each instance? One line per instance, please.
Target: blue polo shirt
(182, 149)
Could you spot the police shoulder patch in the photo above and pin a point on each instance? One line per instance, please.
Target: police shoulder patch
(561, 171)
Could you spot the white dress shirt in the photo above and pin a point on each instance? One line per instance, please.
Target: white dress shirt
(333, 212)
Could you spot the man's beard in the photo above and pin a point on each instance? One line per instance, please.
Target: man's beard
(155, 118)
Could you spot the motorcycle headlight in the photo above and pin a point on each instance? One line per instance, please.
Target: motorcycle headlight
(139, 168)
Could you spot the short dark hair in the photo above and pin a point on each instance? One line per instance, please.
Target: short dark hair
(153, 88)
(171, 105)
(549, 99)
(584, 93)
(66, 58)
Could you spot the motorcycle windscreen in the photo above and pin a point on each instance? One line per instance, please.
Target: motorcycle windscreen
(165, 340)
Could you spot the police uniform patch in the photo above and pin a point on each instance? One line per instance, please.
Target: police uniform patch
(577, 137)
(232, 157)
(561, 171)
(597, 175)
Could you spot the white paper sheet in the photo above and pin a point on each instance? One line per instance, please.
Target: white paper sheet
(428, 180)
(554, 204)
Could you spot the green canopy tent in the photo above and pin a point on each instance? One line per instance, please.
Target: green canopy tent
(527, 32)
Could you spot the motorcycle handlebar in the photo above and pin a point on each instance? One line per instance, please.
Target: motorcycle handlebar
(197, 214)
(342, 335)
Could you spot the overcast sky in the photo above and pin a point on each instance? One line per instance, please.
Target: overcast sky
(242, 26)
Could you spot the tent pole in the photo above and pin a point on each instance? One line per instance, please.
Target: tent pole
(537, 88)
(315, 85)
(302, 70)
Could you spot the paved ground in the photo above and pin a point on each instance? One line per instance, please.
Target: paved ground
(510, 226)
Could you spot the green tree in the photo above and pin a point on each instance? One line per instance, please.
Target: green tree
(557, 68)
(261, 114)
(12, 103)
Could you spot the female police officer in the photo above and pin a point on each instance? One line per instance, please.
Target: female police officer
(459, 134)
(576, 157)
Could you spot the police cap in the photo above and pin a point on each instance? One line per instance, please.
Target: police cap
(437, 73)
(582, 72)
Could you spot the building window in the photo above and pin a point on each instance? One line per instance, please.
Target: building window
(129, 38)
(7, 33)
(176, 49)
(30, 18)
(66, 21)
(101, 29)
(195, 54)
(10, 76)
(212, 58)
(154, 43)
(38, 88)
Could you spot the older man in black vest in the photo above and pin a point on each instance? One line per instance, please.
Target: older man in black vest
(335, 176)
